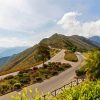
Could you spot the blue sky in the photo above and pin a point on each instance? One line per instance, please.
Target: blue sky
(26, 22)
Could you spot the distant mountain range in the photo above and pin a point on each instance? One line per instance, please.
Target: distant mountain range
(95, 39)
(5, 52)
(3, 60)
(26, 58)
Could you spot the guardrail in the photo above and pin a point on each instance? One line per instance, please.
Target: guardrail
(68, 85)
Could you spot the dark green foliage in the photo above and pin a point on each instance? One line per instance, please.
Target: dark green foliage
(17, 86)
(43, 53)
(73, 49)
(39, 79)
(80, 72)
(24, 78)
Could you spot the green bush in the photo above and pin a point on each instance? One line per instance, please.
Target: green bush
(84, 91)
(5, 88)
(39, 79)
(17, 86)
(55, 73)
(91, 66)
(12, 81)
(80, 72)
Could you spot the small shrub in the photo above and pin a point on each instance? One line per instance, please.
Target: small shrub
(61, 69)
(80, 72)
(45, 65)
(55, 73)
(17, 86)
(39, 79)
(35, 68)
(12, 81)
(66, 65)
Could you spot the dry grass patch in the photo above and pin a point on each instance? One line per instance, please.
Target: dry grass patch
(70, 56)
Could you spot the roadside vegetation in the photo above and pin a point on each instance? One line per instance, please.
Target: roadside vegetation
(91, 67)
(31, 76)
(70, 56)
(88, 90)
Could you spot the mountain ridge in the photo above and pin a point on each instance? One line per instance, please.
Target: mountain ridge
(26, 58)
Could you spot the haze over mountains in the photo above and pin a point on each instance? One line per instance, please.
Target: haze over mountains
(26, 58)
(7, 53)
(95, 39)
(4, 52)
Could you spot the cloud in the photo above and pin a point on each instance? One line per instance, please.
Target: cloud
(26, 15)
(73, 26)
(14, 42)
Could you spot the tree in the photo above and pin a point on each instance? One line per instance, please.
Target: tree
(73, 48)
(42, 53)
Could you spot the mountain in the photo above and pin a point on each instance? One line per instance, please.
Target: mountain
(61, 41)
(95, 39)
(3, 60)
(26, 58)
(5, 52)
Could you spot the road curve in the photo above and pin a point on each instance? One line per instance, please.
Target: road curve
(56, 81)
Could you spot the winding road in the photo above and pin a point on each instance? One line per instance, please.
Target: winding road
(54, 82)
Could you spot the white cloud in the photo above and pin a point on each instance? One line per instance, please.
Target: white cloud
(26, 15)
(73, 26)
(14, 42)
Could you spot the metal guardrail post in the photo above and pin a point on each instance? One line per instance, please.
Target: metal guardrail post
(44, 97)
(77, 81)
(71, 84)
(54, 93)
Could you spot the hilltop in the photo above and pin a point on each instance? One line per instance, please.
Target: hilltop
(26, 59)
(63, 42)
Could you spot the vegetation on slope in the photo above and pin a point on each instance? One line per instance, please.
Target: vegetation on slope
(63, 42)
(92, 66)
(26, 58)
(84, 91)
(31, 76)
(88, 90)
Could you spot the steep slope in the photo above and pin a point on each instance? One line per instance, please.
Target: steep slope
(26, 58)
(21, 60)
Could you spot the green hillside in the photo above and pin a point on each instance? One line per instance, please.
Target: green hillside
(26, 59)
(61, 41)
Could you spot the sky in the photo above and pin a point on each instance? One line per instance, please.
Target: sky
(26, 22)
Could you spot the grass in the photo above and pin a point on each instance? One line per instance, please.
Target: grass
(70, 56)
